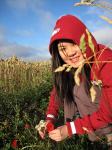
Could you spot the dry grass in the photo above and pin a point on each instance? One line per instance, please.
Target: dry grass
(16, 74)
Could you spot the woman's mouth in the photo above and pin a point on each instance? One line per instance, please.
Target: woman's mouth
(74, 59)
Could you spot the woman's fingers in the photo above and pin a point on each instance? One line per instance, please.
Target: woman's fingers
(42, 134)
(55, 135)
(59, 134)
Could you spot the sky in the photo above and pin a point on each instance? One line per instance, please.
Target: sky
(26, 25)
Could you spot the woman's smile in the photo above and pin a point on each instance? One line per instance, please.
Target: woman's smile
(74, 59)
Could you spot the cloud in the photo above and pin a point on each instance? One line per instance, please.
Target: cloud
(24, 33)
(23, 5)
(10, 49)
(44, 18)
(104, 35)
(96, 12)
(94, 25)
(2, 33)
(101, 30)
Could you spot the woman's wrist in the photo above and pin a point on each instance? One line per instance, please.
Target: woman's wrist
(50, 117)
(71, 128)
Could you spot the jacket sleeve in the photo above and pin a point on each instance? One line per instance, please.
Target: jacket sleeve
(103, 116)
(53, 106)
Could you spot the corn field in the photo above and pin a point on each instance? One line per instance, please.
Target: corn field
(16, 74)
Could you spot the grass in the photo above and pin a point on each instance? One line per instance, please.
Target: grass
(23, 102)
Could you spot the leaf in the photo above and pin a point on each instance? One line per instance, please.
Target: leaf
(82, 43)
(68, 68)
(91, 45)
(59, 69)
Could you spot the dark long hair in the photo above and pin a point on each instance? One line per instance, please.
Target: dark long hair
(64, 81)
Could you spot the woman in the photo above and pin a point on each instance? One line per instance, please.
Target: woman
(87, 100)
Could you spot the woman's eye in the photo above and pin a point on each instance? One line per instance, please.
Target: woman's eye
(63, 48)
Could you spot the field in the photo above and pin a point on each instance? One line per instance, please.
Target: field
(24, 95)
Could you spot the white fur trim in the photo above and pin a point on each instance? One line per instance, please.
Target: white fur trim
(73, 127)
(50, 116)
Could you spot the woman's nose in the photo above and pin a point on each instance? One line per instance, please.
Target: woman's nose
(71, 53)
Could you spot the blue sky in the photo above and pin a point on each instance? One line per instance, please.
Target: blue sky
(26, 25)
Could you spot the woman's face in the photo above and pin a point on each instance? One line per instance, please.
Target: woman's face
(70, 53)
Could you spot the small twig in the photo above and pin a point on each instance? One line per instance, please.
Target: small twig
(101, 51)
(87, 61)
(30, 146)
(98, 61)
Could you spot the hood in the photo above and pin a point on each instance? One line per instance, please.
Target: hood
(70, 27)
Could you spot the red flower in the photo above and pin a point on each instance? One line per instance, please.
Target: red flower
(50, 126)
(14, 143)
(27, 126)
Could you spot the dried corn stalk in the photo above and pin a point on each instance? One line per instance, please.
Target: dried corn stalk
(91, 45)
(90, 42)
(106, 19)
(61, 68)
(92, 89)
(85, 129)
(82, 3)
(92, 93)
(106, 4)
(98, 83)
(68, 68)
(77, 73)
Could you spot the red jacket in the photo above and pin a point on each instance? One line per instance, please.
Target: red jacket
(72, 28)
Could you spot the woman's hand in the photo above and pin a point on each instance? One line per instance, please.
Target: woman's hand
(59, 133)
